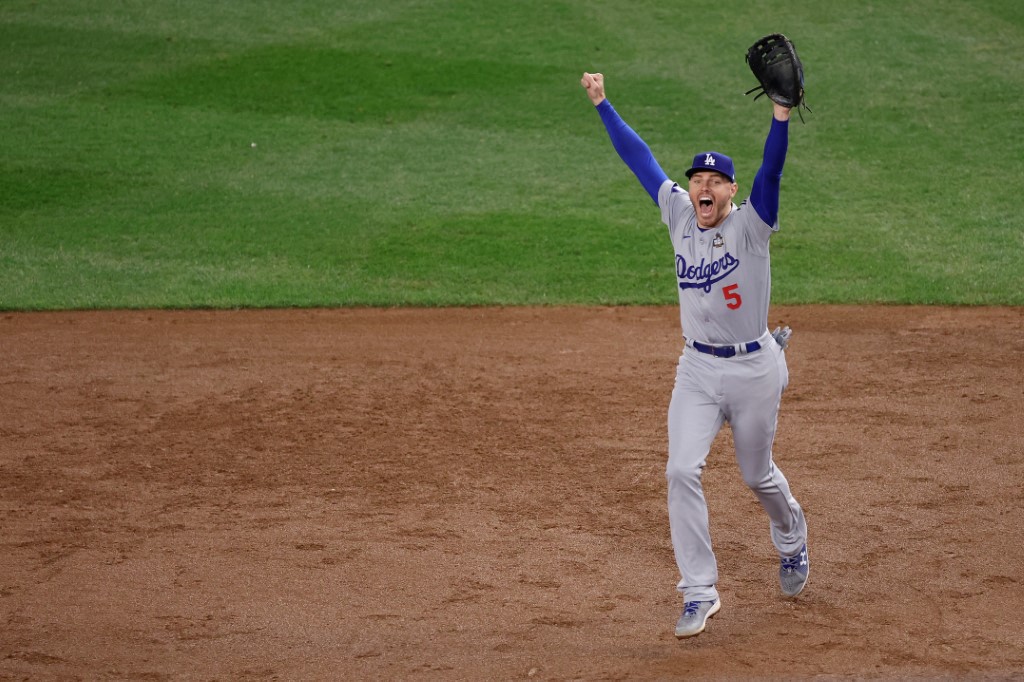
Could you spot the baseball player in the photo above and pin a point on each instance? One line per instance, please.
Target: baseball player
(732, 368)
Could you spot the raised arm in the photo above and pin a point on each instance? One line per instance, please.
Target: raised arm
(631, 149)
(764, 192)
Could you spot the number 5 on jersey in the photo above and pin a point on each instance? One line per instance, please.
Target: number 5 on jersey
(732, 297)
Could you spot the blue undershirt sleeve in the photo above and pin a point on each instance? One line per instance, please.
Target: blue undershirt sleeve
(632, 150)
(764, 192)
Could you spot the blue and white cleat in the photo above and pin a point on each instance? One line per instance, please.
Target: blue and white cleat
(793, 571)
(695, 617)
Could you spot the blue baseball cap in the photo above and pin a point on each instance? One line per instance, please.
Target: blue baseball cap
(713, 161)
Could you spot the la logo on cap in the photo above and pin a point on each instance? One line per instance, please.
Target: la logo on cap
(713, 161)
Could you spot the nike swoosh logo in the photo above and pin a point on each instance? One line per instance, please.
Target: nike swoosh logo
(687, 236)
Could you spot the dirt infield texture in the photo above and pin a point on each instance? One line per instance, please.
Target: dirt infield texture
(480, 494)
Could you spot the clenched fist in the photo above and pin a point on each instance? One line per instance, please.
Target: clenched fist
(594, 84)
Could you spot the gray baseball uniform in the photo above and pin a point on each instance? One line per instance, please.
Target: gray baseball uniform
(724, 289)
(732, 369)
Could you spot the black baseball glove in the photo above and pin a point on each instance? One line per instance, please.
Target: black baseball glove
(778, 70)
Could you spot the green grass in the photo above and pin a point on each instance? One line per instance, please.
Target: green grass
(397, 152)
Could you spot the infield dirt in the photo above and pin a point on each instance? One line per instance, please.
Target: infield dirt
(480, 494)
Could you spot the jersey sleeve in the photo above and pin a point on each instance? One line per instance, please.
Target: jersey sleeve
(674, 202)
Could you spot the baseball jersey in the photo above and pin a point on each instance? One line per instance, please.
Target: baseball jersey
(723, 273)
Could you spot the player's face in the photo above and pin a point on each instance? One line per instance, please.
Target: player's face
(711, 194)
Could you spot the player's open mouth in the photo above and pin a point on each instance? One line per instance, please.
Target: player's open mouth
(706, 209)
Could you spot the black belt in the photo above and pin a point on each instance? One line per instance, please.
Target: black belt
(726, 351)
